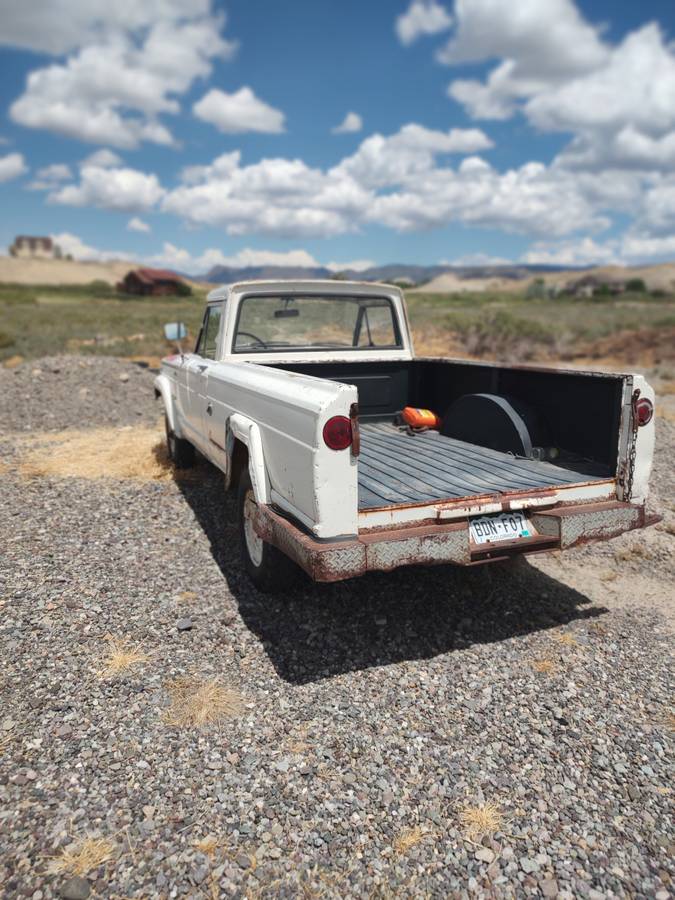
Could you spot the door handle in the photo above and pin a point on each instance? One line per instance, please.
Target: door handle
(209, 410)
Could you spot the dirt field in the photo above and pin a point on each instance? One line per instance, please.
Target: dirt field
(56, 272)
(166, 730)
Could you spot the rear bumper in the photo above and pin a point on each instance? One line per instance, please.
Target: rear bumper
(383, 549)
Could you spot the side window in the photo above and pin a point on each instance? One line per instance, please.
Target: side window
(209, 334)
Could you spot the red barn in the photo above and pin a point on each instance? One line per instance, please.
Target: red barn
(153, 282)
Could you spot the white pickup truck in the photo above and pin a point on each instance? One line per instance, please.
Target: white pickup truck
(295, 391)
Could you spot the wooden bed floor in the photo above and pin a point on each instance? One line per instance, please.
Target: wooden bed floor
(399, 468)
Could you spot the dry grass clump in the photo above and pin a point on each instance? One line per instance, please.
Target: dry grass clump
(481, 821)
(407, 839)
(196, 703)
(567, 640)
(122, 656)
(138, 453)
(5, 740)
(208, 845)
(13, 361)
(545, 666)
(83, 856)
(186, 596)
(609, 575)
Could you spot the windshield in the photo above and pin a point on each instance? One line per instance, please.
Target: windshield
(285, 322)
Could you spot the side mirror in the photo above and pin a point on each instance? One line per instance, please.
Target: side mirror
(175, 331)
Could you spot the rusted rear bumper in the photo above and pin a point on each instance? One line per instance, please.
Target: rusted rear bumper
(382, 549)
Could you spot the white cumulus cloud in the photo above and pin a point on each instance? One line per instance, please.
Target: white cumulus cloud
(49, 177)
(581, 252)
(239, 112)
(351, 123)
(397, 181)
(539, 44)
(423, 17)
(121, 189)
(72, 245)
(617, 101)
(122, 72)
(477, 259)
(60, 26)
(136, 224)
(11, 166)
(355, 265)
(103, 159)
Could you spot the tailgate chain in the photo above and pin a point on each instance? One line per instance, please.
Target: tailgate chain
(628, 472)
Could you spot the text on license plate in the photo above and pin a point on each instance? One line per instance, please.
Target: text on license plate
(502, 527)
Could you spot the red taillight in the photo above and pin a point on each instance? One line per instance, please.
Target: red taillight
(337, 433)
(645, 410)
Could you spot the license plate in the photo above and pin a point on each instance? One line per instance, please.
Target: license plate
(502, 527)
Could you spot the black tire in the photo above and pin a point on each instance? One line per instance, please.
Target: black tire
(269, 569)
(180, 452)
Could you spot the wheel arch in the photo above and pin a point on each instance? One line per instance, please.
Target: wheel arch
(244, 431)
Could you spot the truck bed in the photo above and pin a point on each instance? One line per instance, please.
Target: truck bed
(397, 468)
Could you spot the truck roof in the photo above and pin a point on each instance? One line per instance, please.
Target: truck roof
(325, 285)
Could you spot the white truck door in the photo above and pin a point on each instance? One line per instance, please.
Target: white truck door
(197, 376)
(182, 396)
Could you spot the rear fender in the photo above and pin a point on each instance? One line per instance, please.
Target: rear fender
(245, 430)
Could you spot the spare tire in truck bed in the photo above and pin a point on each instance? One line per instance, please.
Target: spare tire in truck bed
(494, 421)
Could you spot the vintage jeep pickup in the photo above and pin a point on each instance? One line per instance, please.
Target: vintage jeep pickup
(296, 390)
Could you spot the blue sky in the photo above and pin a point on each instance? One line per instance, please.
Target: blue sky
(475, 129)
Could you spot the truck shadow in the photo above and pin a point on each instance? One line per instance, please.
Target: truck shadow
(320, 631)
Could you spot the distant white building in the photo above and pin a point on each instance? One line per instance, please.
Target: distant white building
(27, 247)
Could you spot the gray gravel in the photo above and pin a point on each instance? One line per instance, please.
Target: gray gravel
(373, 707)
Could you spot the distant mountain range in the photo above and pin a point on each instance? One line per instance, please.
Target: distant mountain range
(395, 272)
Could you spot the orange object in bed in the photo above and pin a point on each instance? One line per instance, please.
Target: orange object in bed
(420, 418)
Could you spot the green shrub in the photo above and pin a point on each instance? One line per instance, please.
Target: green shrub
(6, 340)
(500, 332)
(183, 290)
(636, 286)
(100, 288)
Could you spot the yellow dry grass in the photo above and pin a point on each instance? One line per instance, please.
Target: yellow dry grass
(83, 856)
(13, 361)
(196, 703)
(208, 845)
(481, 821)
(407, 839)
(668, 387)
(5, 740)
(122, 656)
(633, 551)
(545, 666)
(567, 640)
(186, 596)
(137, 453)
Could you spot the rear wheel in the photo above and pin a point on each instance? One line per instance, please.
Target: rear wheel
(267, 567)
(180, 452)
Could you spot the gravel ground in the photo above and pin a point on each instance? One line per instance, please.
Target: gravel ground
(375, 712)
